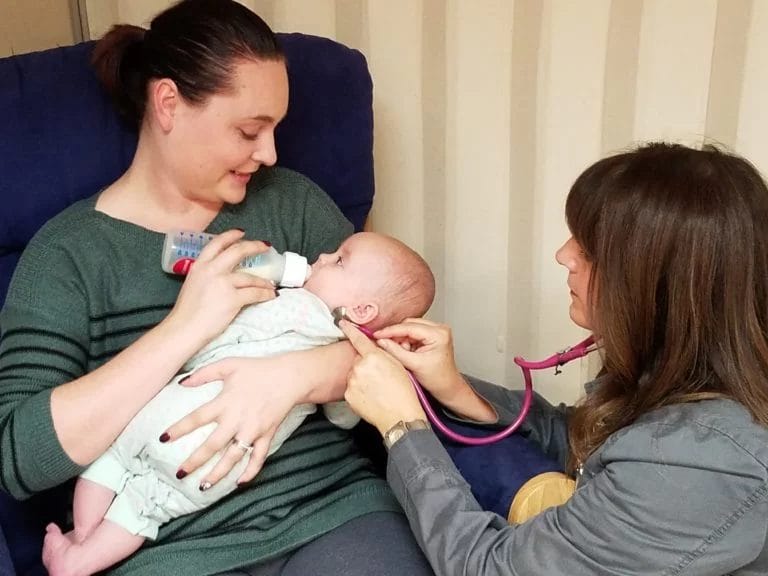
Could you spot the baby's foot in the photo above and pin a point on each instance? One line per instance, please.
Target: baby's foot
(60, 552)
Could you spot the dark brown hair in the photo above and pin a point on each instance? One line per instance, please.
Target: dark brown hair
(678, 243)
(195, 43)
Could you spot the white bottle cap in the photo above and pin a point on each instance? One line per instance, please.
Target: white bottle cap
(296, 270)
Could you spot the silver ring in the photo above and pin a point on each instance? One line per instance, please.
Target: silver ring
(246, 448)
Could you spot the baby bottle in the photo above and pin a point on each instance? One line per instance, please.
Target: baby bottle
(181, 249)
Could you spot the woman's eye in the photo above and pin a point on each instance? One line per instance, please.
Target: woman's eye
(248, 136)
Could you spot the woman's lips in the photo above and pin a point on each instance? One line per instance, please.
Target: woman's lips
(242, 177)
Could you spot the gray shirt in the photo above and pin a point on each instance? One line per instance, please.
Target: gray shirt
(682, 491)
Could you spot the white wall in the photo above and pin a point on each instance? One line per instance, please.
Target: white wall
(487, 110)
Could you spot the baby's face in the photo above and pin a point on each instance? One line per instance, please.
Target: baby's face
(353, 273)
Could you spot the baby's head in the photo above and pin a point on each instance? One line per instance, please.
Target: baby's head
(379, 280)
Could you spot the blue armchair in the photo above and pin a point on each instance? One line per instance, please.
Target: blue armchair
(60, 141)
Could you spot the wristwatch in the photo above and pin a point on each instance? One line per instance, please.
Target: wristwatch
(401, 429)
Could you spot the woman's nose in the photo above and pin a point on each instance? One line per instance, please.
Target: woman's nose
(265, 153)
(565, 255)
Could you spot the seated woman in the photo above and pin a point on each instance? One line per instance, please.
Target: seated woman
(93, 328)
(668, 267)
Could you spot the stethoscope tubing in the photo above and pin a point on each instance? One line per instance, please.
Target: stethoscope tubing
(555, 361)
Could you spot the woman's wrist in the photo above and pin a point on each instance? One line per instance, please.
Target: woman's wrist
(317, 375)
(388, 421)
(465, 402)
(173, 325)
(323, 372)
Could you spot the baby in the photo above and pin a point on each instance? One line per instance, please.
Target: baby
(126, 494)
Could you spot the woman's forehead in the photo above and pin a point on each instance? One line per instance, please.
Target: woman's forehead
(259, 92)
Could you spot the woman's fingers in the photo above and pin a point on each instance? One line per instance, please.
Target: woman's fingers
(359, 341)
(380, 392)
(227, 250)
(218, 244)
(214, 371)
(423, 321)
(231, 257)
(218, 439)
(416, 330)
(402, 354)
(242, 279)
(246, 296)
(232, 454)
(204, 415)
(259, 454)
(214, 292)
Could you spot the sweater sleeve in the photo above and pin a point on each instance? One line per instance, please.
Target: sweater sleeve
(666, 500)
(44, 343)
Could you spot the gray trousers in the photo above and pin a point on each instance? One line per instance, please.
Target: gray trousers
(379, 544)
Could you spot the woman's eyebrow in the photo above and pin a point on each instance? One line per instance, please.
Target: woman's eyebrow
(266, 118)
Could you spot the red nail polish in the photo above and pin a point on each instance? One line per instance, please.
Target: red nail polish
(241, 229)
(267, 244)
(181, 474)
(164, 437)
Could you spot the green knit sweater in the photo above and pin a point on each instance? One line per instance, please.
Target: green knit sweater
(88, 286)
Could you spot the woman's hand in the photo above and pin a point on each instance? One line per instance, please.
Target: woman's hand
(426, 349)
(378, 387)
(244, 411)
(214, 292)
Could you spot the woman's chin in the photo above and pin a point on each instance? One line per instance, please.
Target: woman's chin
(579, 318)
(234, 194)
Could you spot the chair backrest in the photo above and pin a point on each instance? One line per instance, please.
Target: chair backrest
(60, 139)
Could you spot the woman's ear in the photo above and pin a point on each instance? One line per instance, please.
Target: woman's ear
(363, 313)
(163, 99)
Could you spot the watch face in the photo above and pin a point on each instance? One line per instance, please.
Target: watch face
(394, 434)
(401, 429)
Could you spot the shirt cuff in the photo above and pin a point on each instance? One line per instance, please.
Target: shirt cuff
(415, 455)
(42, 462)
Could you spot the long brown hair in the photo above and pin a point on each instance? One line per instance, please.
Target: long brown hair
(678, 242)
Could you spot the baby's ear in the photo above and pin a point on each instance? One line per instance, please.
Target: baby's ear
(363, 313)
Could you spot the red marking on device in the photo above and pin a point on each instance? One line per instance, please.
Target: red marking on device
(183, 266)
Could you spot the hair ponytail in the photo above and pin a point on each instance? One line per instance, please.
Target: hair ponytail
(119, 61)
(195, 43)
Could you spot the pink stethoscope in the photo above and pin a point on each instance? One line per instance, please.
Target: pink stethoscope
(555, 361)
